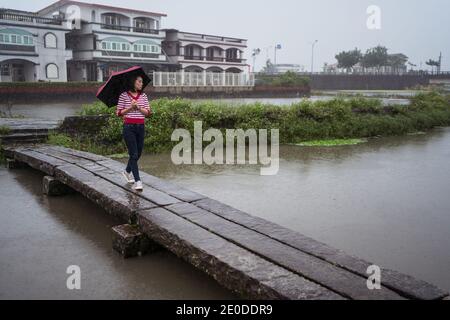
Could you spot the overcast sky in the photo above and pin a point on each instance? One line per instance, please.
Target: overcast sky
(420, 29)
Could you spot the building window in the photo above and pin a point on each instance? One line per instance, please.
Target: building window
(111, 20)
(12, 36)
(50, 40)
(116, 46)
(16, 39)
(145, 48)
(5, 69)
(51, 71)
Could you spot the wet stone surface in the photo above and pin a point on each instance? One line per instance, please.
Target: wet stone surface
(14, 164)
(129, 241)
(52, 187)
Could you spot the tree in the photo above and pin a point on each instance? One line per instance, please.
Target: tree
(375, 58)
(269, 67)
(397, 61)
(433, 63)
(348, 59)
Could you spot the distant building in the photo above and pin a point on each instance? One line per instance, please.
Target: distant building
(196, 52)
(283, 68)
(78, 41)
(111, 39)
(32, 48)
(330, 68)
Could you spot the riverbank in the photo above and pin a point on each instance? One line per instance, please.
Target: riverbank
(37, 92)
(334, 119)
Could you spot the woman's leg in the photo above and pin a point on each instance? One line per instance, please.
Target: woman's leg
(130, 137)
(140, 135)
(140, 140)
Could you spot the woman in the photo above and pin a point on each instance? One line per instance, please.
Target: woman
(133, 107)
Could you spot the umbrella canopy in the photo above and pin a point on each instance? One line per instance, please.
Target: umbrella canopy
(119, 82)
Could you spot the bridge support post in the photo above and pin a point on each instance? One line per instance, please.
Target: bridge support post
(129, 241)
(14, 164)
(53, 187)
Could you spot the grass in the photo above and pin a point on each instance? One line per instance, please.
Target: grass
(331, 142)
(4, 130)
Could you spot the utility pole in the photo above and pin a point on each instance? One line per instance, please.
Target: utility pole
(254, 54)
(440, 63)
(312, 55)
(277, 47)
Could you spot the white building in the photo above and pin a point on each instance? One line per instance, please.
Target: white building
(283, 68)
(196, 52)
(32, 48)
(107, 39)
(79, 41)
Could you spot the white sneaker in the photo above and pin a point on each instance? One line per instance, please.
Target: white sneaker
(128, 177)
(138, 186)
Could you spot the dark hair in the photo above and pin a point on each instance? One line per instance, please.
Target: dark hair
(132, 82)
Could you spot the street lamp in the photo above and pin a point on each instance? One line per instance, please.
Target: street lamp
(312, 55)
(254, 54)
(277, 47)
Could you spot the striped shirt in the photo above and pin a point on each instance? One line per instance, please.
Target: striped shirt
(134, 116)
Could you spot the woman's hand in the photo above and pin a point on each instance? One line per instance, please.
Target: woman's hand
(145, 112)
(134, 105)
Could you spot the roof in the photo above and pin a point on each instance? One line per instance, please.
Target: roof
(203, 34)
(64, 2)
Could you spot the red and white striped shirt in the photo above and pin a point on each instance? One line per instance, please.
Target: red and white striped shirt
(134, 116)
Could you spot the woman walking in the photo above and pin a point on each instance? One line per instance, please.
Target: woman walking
(133, 107)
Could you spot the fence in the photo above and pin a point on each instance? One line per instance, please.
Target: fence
(202, 79)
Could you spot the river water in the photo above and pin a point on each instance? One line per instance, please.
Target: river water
(40, 237)
(387, 200)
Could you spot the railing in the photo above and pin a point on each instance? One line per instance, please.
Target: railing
(187, 57)
(218, 59)
(364, 73)
(29, 18)
(198, 36)
(111, 53)
(128, 29)
(13, 47)
(202, 79)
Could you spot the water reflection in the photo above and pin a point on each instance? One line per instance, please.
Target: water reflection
(41, 236)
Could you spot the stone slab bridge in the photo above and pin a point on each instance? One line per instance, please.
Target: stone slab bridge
(252, 257)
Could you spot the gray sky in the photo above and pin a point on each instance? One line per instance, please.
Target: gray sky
(418, 28)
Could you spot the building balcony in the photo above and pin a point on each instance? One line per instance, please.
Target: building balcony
(213, 59)
(17, 48)
(124, 54)
(187, 36)
(29, 19)
(197, 58)
(128, 29)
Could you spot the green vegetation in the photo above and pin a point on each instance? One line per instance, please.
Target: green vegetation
(304, 121)
(10, 115)
(376, 57)
(331, 142)
(288, 79)
(4, 130)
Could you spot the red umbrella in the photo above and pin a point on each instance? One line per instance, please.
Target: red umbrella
(119, 82)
